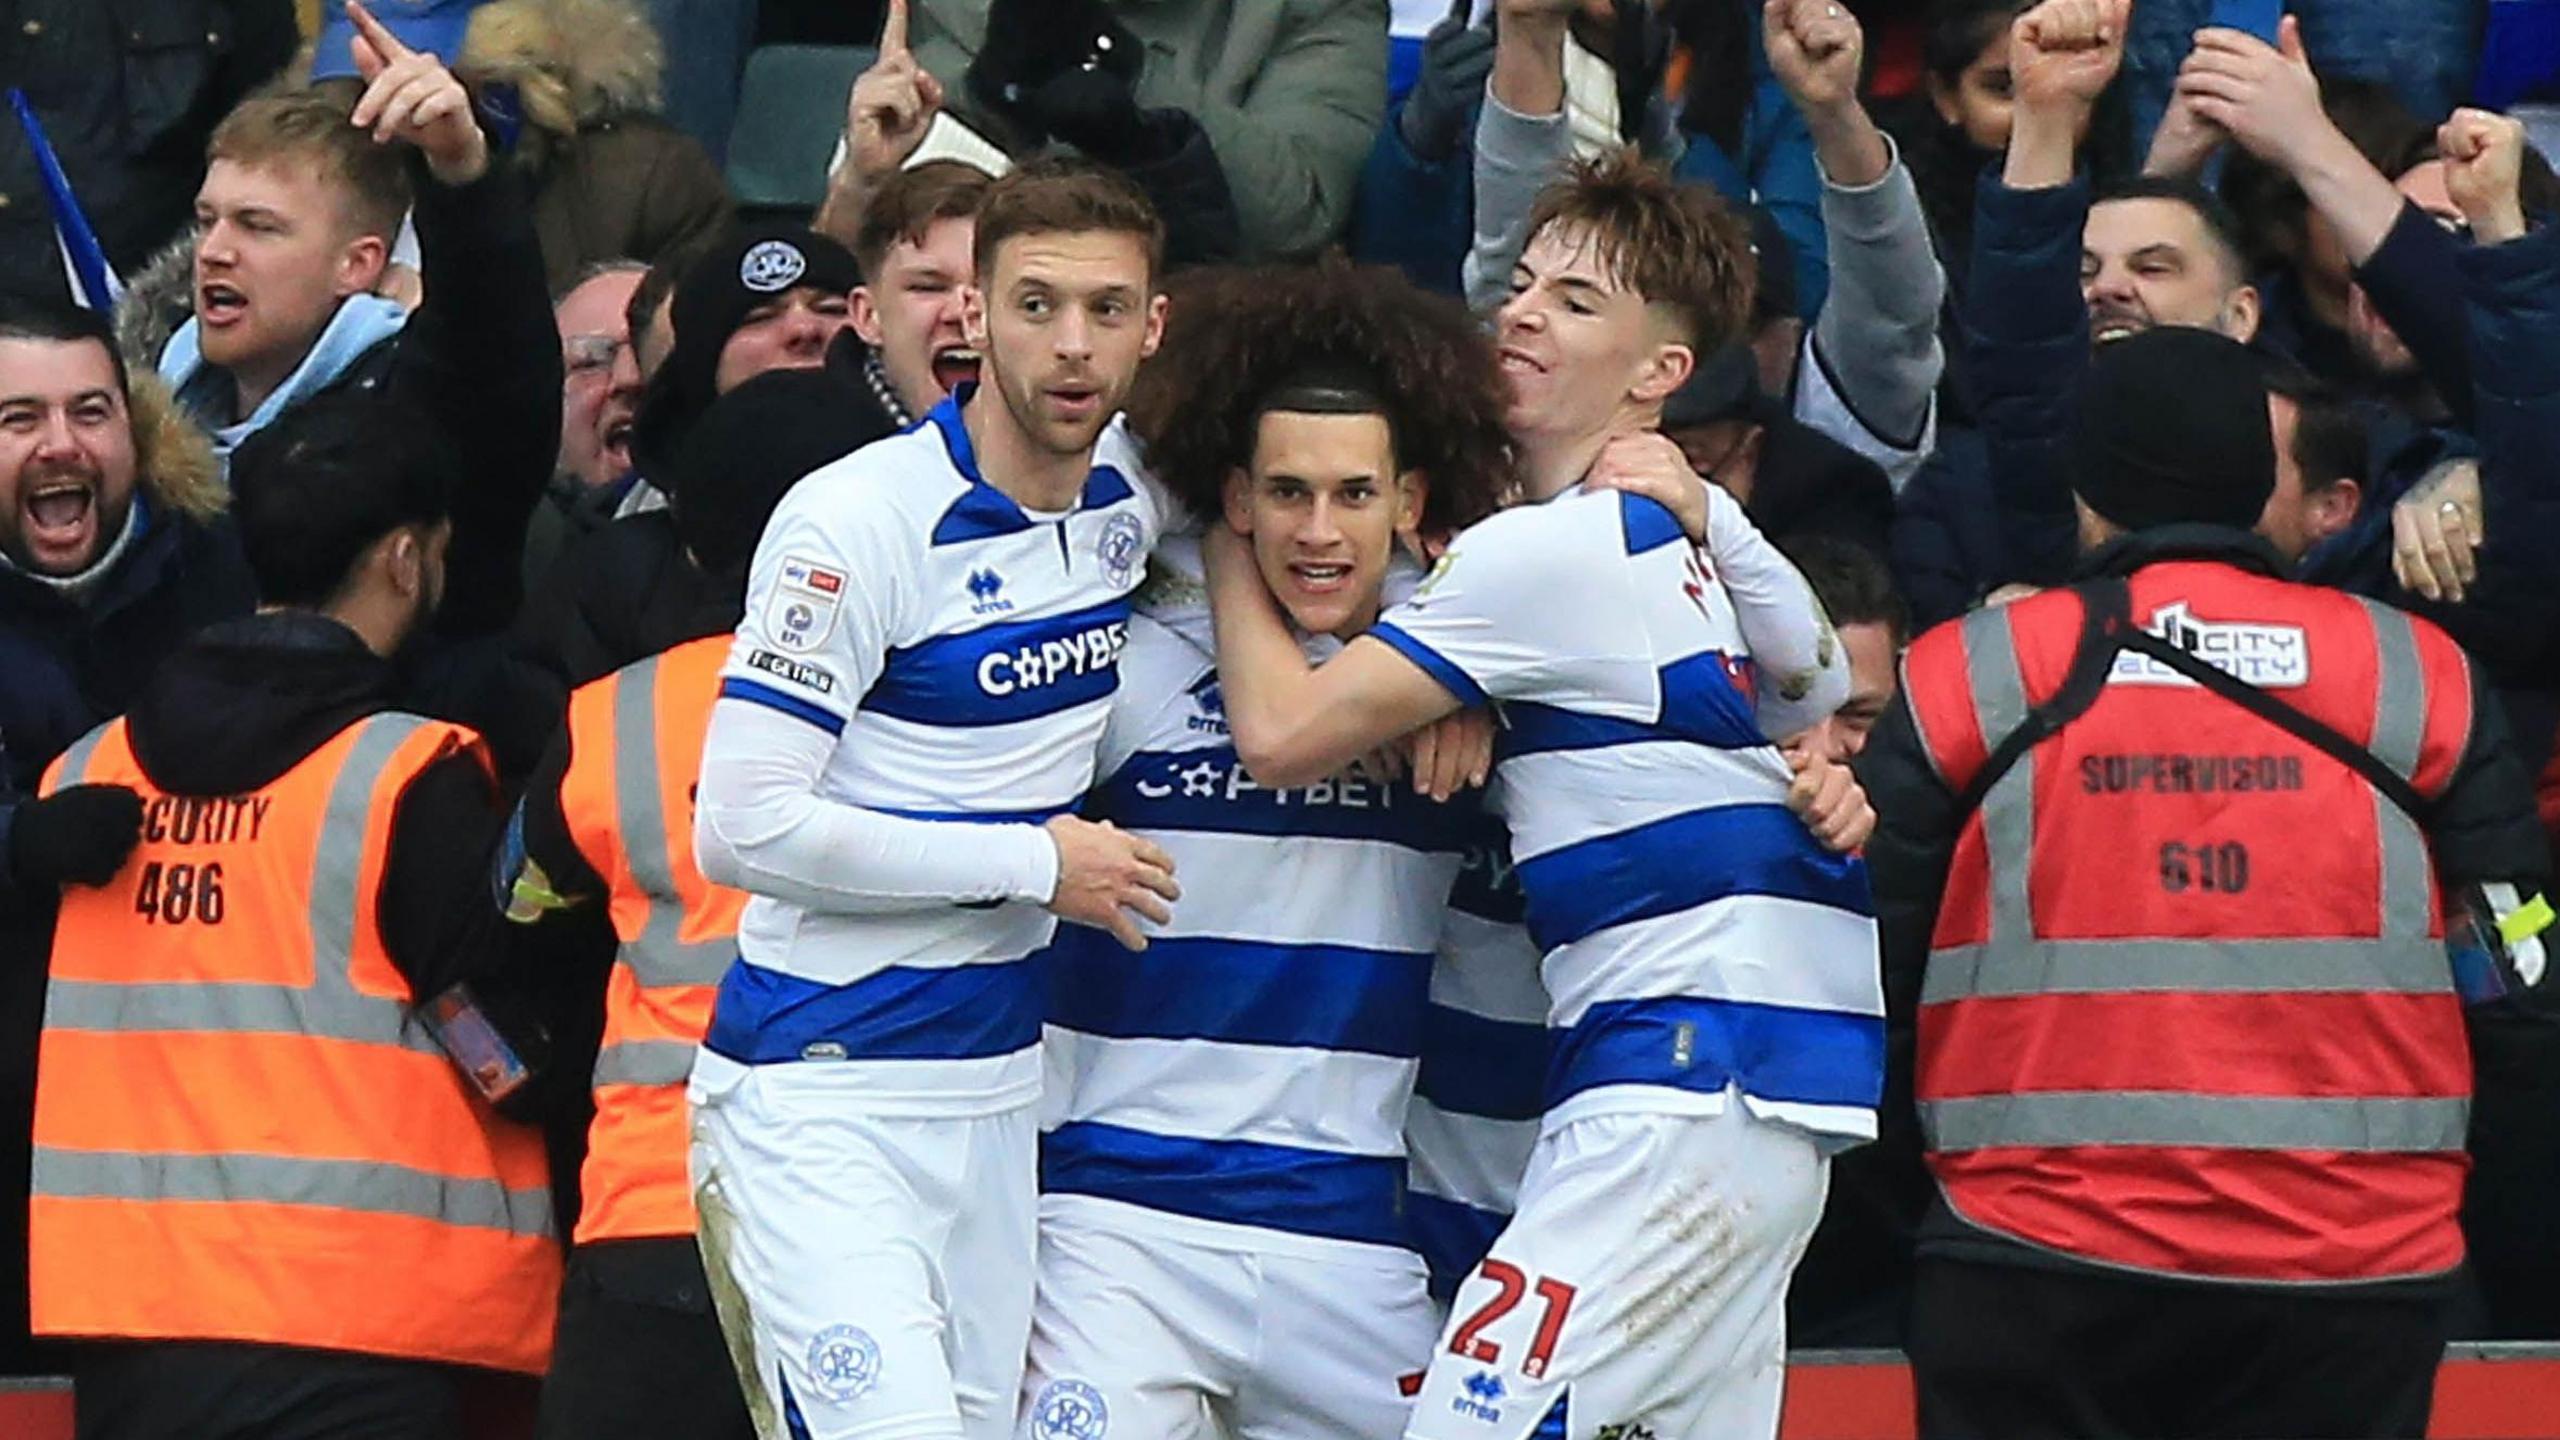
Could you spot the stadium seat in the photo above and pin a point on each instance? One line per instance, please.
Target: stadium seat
(790, 112)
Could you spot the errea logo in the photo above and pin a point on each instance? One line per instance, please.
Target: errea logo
(1483, 1398)
(986, 593)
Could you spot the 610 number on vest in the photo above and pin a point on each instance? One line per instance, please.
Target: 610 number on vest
(2221, 868)
(174, 894)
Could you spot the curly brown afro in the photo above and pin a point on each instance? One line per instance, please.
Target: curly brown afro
(1234, 337)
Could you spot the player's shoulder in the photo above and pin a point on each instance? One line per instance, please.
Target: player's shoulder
(1160, 652)
(1567, 530)
(900, 484)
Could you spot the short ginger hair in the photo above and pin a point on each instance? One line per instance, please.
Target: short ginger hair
(308, 125)
(1674, 245)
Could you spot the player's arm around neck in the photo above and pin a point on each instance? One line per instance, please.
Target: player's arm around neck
(1294, 723)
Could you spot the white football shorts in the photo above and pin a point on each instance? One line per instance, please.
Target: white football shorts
(873, 1274)
(1641, 1287)
(1140, 1336)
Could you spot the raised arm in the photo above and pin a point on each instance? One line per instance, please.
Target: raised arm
(1522, 142)
(1876, 337)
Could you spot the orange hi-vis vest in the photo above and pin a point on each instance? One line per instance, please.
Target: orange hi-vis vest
(635, 746)
(2187, 1009)
(241, 1133)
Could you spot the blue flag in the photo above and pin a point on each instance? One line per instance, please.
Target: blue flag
(94, 283)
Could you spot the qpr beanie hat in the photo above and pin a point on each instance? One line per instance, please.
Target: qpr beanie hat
(749, 269)
(2173, 431)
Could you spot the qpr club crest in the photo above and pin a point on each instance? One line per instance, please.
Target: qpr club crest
(844, 1361)
(1122, 549)
(1069, 1410)
(772, 266)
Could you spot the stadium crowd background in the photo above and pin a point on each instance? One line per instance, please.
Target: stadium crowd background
(567, 310)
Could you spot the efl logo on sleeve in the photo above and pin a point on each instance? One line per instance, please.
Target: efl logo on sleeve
(802, 613)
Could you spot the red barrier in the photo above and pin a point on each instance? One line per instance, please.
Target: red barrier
(2484, 1392)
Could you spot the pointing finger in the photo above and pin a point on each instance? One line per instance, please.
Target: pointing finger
(386, 45)
(893, 30)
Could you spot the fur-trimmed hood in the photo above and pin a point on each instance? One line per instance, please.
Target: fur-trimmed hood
(173, 459)
(575, 63)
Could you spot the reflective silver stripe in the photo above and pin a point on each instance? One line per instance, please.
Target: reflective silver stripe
(75, 761)
(361, 1185)
(212, 1006)
(2114, 1117)
(2130, 967)
(2399, 733)
(337, 870)
(2400, 701)
(657, 957)
(2008, 807)
(645, 1062)
(635, 778)
(330, 1007)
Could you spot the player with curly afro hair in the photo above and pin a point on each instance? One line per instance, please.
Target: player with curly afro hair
(1333, 339)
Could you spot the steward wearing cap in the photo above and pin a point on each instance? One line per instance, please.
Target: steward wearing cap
(268, 1174)
(2188, 872)
(602, 853)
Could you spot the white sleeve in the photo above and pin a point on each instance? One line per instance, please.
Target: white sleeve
(1804, 673)
(824, 603)
(760, 826)
(1485, 623)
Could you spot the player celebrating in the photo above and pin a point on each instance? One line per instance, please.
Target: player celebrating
(1713, 968)
(930, 643)
(1221, 1226)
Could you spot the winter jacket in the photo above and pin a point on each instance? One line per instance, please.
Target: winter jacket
(1413, 213)
(66, 663)
(1289, 93)
(610, 180)
(480, 359)
(128, 91)
(1946, 532)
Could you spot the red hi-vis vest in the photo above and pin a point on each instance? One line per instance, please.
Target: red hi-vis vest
(2187, 1008)
(635, 746)
(240, 1133)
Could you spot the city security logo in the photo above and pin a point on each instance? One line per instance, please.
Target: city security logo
(2271, 657)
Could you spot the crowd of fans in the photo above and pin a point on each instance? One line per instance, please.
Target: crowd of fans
(493, 230)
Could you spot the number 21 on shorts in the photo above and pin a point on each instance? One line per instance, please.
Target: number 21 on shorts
(1555, 1296)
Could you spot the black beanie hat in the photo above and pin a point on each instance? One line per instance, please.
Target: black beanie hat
(2173, 431)
(711, 302)
(748, 450)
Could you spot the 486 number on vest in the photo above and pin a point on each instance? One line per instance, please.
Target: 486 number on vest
(177, 894)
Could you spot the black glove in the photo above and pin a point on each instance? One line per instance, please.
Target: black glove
(1031, 42)
(77, 836)
(1093, 111)
(1456, 58)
